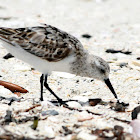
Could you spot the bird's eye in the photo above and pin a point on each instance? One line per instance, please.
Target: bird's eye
(102, 70)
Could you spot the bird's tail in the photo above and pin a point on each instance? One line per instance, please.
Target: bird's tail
(6, 31)
(5, 34)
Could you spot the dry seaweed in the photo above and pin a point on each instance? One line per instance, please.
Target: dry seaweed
(118, 51)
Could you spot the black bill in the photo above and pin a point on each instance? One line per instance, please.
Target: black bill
(108, 83)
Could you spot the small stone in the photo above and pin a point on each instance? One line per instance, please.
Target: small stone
(123, 64)
(118, 130)
(135, 112)
(7, 56)
(94, 102)
(49, 112)
(74, 105)
(138, 58)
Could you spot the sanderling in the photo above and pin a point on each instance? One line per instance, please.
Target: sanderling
(48, 49)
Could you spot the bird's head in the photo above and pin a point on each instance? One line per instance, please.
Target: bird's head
(101, 72)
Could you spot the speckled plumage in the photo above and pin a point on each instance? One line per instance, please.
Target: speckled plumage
(49, 49)
(46, 42)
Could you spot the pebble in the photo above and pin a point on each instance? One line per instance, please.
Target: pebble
(74, 105)
(49, 112)
(135, 113)
(123, 64)
(7, 56)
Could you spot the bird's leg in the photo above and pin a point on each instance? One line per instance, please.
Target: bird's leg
(41, 83)
(49, 89)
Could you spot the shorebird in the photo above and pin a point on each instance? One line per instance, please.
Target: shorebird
(48, 49)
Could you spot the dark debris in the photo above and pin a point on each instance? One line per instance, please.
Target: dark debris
(8, 117)
(67, 131)
(100, 132)
(10, 100)
(7, 56)
(118, 51)
(120, 107)
(117, 133)
(94, 102)
(135, 112)
(138, 58)
(86, 36)
(123, 65)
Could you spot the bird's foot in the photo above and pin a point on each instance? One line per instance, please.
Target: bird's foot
(41, 99)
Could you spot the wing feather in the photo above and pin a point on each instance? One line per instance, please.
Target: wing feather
(46, 41)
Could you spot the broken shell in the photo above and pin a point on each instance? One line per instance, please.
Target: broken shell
(12, 87)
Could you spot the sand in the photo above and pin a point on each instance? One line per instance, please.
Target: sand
(112, 24)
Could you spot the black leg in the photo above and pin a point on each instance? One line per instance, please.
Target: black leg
(49, 89)
(41, 83)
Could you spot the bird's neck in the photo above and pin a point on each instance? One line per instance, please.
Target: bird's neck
(81, 66)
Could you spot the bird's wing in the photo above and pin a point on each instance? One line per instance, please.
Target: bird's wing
(46, 42)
